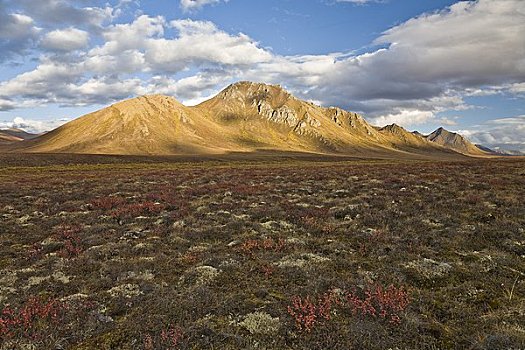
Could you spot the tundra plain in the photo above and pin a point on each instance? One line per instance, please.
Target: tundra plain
(100, 252)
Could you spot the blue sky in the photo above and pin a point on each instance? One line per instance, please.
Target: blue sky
(421, 64)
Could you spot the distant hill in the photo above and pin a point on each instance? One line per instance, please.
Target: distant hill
(244, 117)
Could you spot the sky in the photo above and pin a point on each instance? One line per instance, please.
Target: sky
(420, 64)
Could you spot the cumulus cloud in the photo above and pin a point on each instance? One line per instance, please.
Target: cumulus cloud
(139, 47)
(69, 39)
(130, 36)
(404, 117)
(41, 83)
(440, 47)
(17, 33)
(74, 12)
(202, 43)
(503, 133)
(428, 62)
(193, 5)
(6, 105)
(31, 125)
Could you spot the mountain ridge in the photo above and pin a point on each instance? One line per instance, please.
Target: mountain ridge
(243, 117)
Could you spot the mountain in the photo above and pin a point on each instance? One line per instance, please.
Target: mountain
(144, 125)
(400, 137)
(455, 142)
(244, 117)
(502, 151)
(14, 135)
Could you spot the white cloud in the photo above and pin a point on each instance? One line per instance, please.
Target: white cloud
(139, 47)
(193, 5)
(6, 104)
(130, 36)
(403, 117)
(469, 44)
(56, 12)
(33, 126)
(69, 39)
(16, 26)
(17, 33)
(505, 133)
(202, 43)
(41, 83)
(433, 58)
(106, 88)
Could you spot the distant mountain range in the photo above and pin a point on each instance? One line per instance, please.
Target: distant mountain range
(244, 117)
(14, 135)
(498, 150)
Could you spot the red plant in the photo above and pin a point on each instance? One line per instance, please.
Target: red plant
(378, 301)
(268, 270)
(250, 246)
(35, 252)
(107, 203)
(169, 338)
(324, 305)
(148, 342)
(69, 234)
(304, 312)
(375, 301)
(28, 320)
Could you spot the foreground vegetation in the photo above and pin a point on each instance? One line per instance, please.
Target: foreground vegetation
(262, 255)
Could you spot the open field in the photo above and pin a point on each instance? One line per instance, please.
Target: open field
(279, 253)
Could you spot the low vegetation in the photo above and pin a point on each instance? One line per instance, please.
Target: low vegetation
(113, 253)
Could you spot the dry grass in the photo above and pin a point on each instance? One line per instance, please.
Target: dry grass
(216, 254)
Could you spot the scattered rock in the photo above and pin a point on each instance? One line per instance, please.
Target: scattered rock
(223, 213)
